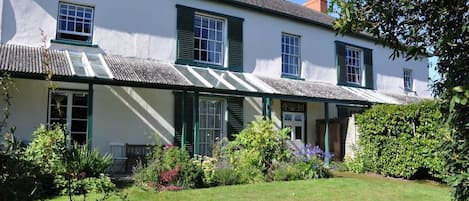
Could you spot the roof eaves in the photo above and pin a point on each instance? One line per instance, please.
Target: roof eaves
(291, 17)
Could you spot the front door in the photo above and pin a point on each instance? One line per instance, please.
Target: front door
(296, 122)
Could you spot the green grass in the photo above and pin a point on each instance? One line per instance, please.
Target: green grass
(345, 186)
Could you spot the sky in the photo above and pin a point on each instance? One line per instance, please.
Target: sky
(432, 61)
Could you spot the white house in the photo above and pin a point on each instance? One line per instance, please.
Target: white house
(191, 71)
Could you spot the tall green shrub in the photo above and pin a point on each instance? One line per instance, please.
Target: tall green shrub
(255, 149)
(400, 140)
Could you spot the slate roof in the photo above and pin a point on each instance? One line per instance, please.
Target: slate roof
(22, 59)
(288, 8)
(28, 60)
(144, 70)
(310, 89)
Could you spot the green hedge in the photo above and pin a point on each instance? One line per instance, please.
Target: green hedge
(400, 140)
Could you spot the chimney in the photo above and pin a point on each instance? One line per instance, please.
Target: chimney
(318, 5)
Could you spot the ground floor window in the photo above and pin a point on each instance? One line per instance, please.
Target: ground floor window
(294, 121)
(211, 124)
(70, 108)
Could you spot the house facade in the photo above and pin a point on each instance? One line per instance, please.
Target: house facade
(189, 72)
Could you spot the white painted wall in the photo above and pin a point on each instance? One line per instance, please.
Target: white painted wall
(120, 114)
(147, 29)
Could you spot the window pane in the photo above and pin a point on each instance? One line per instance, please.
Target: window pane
(209, 32)
(80, 99)
(298, 132)
(79, 113)
(78, 138)
(58, 112)
(79, 125)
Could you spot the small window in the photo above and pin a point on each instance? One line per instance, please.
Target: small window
(408, 80)
(70, 108)
(75, 22)
(291, 61)
(209, 34)
(354, 61)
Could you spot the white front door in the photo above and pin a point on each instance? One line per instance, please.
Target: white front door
(296, 122)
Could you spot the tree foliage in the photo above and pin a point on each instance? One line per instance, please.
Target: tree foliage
(426, 27)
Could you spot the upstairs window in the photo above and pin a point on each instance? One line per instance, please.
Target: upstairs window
(408, 80)
(208, 39)
(354, 65)
(291, 61)
(75, 22)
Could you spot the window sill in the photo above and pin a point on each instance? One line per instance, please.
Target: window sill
(293, 77)
(199, 64)
(76, 43)
(354, 85)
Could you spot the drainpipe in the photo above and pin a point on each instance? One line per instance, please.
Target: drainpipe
(326, 134)
(1, 19)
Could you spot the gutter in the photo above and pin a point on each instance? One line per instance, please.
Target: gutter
(114, 82)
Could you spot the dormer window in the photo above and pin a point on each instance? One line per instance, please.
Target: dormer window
(75, 22)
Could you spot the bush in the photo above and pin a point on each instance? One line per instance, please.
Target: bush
(255, 149)
(225, 176)
(286, 172)
(19, 178)
(47, 150)
(401, 140)
(169, 168)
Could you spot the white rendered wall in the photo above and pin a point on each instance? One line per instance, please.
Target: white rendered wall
(120, 114)
(148, 30)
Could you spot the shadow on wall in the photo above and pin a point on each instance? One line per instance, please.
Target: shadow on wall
(8, 20)
(145, 113)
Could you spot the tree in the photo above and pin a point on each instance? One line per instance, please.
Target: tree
(413, 28)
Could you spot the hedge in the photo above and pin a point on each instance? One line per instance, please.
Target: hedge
(401, 140)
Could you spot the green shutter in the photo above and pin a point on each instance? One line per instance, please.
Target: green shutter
(368, 60)
(235, 116)
(185, 35)
(235, 44)
(341, 65)
(182, 116)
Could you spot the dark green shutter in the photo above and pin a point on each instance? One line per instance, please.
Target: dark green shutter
(368, 60)
(235, 116)
(341, 65)
(185, 35)
(235, 44)
(180, 117)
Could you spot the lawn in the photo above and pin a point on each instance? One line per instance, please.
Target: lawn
(344, 186)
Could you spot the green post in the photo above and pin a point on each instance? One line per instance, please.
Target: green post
(326, 134)
(196, 124)
(90, 116)
(266, 107)
(184, 123)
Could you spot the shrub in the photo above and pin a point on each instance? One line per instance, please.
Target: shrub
(169, 168)
(255, 148)
(19, 178)
(400, 140)
(225, 176)
(47, 150)
(100, 184)
(286, 172)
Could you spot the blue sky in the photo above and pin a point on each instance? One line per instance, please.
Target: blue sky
(432, 73)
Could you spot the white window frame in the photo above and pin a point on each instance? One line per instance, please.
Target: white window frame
(76, 19)
(224, 41)
(70, 106)
(293, 123)
(408, 79)
(222, 128)
(360, 76)
(291, 55)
